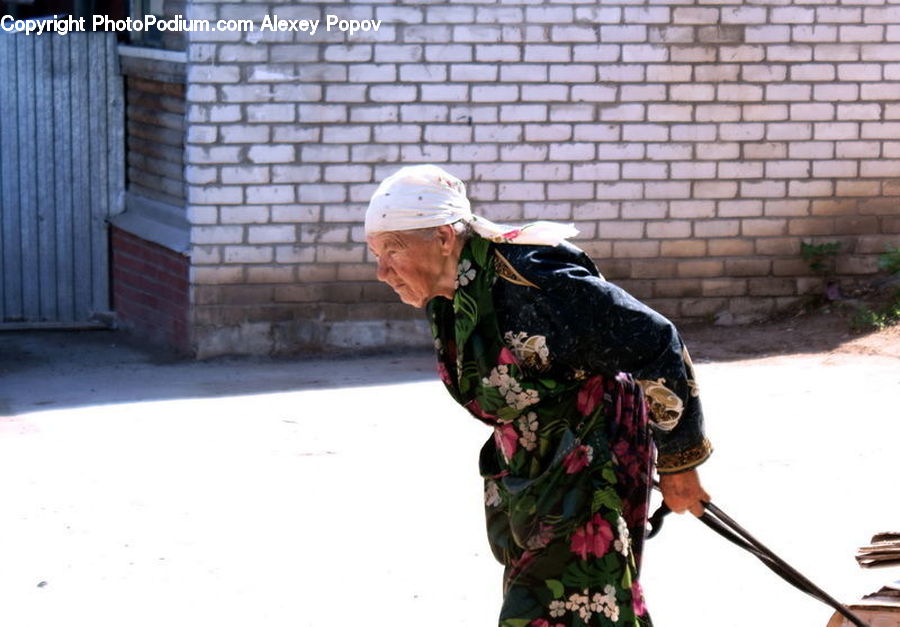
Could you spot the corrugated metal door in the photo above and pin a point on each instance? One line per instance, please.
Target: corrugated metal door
(61, 175)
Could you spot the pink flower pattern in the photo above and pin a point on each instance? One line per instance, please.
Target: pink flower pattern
(507, 439)
(578, 459)
(637, 598)
(594, 538)
(475, 409)
(506, 357)
(590, 395)
(444, 374)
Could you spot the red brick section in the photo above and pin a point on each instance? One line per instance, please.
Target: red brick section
(150, 287)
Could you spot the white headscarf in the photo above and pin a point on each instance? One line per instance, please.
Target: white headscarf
(425, 196)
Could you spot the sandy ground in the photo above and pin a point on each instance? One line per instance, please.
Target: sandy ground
(141, 491)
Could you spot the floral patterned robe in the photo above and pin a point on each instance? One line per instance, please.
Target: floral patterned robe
(559, 363)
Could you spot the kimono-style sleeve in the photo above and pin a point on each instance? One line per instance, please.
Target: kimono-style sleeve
(564, 319)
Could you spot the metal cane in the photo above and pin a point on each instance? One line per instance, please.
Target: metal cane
(725, 526)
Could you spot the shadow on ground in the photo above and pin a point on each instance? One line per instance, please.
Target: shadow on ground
(55, 369)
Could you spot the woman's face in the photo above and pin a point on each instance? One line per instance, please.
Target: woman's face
(412, 264)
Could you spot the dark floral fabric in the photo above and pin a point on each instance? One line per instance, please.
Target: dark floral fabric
(543, 350)
(593, 326)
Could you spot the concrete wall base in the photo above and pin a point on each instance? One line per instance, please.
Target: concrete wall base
(311, 337)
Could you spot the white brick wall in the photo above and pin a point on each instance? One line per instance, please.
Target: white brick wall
(675, 131)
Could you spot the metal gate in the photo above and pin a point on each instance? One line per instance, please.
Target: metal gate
(61, 175)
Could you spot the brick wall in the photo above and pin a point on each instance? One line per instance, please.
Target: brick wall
(155, 138)
(695, 144)
(150, 290)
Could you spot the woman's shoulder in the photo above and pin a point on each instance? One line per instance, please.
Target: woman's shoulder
(527, 264)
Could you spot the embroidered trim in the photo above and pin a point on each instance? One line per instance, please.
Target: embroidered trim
(665, 406)
(684, 460)
(530, 350)
(505, 271)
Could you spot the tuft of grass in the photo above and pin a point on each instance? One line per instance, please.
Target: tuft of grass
(820, 257)
(889, 261)
(878, 319)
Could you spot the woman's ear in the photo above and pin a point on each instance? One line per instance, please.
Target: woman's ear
(446, 236)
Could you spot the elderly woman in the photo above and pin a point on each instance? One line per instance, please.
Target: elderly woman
(572, 374)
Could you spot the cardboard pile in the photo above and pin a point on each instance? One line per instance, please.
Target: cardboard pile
(883, 551)
(882, 608)
(879, 609)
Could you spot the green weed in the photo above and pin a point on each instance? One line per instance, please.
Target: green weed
(879, 318)
(820, 257)
(890, 260)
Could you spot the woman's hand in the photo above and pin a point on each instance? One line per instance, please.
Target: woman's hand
(682, 492)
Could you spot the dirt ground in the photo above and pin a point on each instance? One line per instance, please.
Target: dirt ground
(795, 334)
